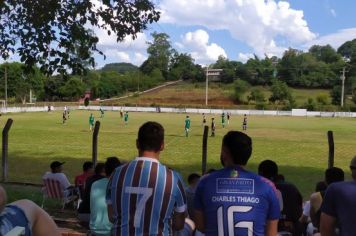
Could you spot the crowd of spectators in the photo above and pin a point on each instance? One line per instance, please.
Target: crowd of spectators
(145, 197)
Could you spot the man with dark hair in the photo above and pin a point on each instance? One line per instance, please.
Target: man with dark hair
(84, 207)
(339, 206)
(187, 126)
(193, 180)
(291, 196)
(212, 127)
(79, 180)
(332, 175)
(99, 221)
(143, 195)
(233, 201)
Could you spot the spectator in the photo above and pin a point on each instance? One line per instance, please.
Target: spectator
(234, 201)
(84, 207)
(292, 198)
(80, 179)
(339, 206)
(99, 221)
(332, 175)
(57, 174)
(25, 213)
(145, 180)
(193, 180)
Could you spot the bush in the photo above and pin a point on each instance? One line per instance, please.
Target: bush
(322, 99)
(310, 105)
(260, 106)
(240, 88)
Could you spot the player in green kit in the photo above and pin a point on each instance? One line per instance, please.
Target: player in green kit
(91, 122)
(126, 118)
(187, 126)
(223, 119)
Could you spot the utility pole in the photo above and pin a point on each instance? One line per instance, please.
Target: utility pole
(5, 85)
(206, 86)
(214, 72)
(343, 77)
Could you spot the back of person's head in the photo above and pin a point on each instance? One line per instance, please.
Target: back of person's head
(334, 174)
(87, 166)
(150, 137)
(3, 198)
(268, 169)
(193, 178)
(111, 164)
(239, 146)
(353, 167)
(99, 168)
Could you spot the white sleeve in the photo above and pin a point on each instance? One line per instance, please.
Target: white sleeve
(64, 180)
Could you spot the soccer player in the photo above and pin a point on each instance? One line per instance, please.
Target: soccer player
(187, 126)
(223, 119)
(91, 122)
(126, 118)
(64, 117)
(244, 123)
(228, 118)
(145, 197)
(234, 201)
(212, 127)
(204, 120)
(101, 112)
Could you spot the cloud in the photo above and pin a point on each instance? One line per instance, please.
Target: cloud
(333, 12)
(244, 57)
(334, 39)
(258, 23)
(197, 44)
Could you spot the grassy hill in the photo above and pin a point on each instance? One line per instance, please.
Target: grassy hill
(187, 94)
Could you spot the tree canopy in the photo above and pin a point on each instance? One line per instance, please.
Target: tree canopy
(46, 34)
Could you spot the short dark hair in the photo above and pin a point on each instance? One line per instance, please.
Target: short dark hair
(99, 168)
(150, 136)
(193, 177)
(111, 164)
(239, 145)
(87, 165)
(268, 169)
(334, 174)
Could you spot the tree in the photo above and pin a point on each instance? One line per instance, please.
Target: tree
(240, 88)
(182, 67)
(73, 89)
(326, 53)
(45, 32)
(159, 54)
(20, 83)
(256, 95)
(335, 94)
(280, 92)
(121, 68)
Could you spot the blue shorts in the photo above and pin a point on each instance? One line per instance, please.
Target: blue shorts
(11, 217)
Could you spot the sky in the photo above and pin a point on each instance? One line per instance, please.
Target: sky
(238, 29)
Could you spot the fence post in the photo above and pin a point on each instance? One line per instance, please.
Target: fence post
(5, 144)
(205, 149)
(331, 149)
(95, 142)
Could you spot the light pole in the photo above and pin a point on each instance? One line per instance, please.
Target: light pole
(214, 72)
(343, 77)
(5, 75)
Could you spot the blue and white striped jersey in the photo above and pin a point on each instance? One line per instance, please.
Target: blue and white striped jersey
(143, 194)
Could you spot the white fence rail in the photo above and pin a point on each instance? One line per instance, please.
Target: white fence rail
(294, 112)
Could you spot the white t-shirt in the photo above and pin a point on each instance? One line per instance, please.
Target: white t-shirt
(61, 177)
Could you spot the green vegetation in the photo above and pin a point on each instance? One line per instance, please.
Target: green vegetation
(297, 144)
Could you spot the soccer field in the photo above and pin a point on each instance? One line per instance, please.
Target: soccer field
(298, 144)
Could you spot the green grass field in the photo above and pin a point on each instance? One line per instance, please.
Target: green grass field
(298, 145)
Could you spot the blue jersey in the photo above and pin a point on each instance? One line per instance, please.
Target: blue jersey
(236, 202)
(143, 194)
